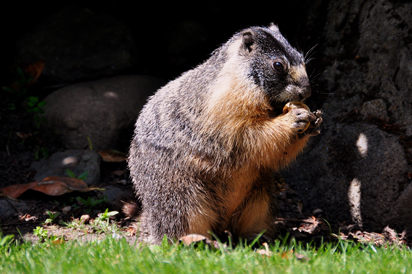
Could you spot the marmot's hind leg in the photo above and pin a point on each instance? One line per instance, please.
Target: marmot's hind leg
(254, 216)
(178, 209)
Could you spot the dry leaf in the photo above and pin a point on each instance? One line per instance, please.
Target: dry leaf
(390, 234)
(85, 218)
(53, 186)
(111, 155)
(287, 254)
(310, 225)
(192, 238)
(34, 70)
(131, 231)
(301, 257)
(197, 238)
(299, 206)
(59, 241)
(27, 217)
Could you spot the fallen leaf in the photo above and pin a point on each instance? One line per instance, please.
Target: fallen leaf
(112, 155)
(299, 206)
(390, 235)
(59, 241)
(131, 231)
(301, 257)
(85, 218)
(34, 70)
(53, 186)
(287, 254)
(198, 238)
(25, 75)
(310, 225)
(192, 238)
(284, 255)
(27, 217)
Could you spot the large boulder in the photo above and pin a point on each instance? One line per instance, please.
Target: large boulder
(9, 207)
(100, 112)
(359, 169)
(77, 161)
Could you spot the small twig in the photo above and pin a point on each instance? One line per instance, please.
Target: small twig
(7, 200)
(295, 220)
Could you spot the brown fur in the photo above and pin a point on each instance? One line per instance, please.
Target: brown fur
(206, 145)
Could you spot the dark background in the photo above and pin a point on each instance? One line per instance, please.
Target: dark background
(154, 25)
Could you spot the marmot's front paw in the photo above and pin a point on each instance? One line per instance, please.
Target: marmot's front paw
(314, 127)
(303, 119)
(300, 115)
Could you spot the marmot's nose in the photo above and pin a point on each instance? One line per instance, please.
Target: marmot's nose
(305, 91)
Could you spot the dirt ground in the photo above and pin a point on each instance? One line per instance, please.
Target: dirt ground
(22, 143)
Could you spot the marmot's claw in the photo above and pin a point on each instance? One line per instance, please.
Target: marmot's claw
(314, 127)
(303, 118)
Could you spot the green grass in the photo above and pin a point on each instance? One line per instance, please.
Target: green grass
(118, 256)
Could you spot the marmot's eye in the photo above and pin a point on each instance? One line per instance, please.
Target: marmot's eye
(278, 66)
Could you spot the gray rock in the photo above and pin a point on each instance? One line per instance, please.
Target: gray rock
(20, 206)
(77, 43)
(354, 174)
(357, 170)
(78, 161)
(116, 195)
(103, 111)
(8, 208)
(401, 212)
(374, 108)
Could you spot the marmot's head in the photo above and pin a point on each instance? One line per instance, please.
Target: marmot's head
(274, 65)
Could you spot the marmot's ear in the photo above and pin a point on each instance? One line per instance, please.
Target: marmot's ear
(273, 27)
(248, 40)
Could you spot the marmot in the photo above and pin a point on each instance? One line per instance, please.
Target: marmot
(206, 145)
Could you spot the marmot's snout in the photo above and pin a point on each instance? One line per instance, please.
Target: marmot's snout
(305, 91)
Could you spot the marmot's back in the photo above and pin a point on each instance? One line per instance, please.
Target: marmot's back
(206, 144)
